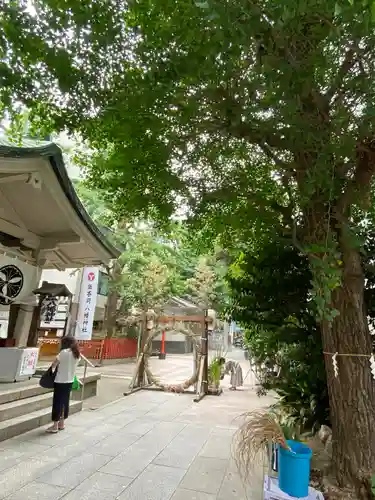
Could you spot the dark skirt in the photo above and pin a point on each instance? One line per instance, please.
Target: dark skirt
(60, 404)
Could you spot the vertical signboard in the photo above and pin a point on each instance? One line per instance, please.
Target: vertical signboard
(28, 362)
(87, 303)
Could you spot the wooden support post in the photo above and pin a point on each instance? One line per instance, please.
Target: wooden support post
(135, 376)
(195, 361)
(199, 392)
(144, 338)
(205, 354)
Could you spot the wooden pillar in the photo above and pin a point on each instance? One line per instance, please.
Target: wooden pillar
(144, 338)
(205, 353)
(35, 322)
(13, 313)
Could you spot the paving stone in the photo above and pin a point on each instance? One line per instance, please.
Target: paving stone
(169, 410)
(86, 418)
(224, 431)
(218, 446)
(136, 458)
(8, 458)
(131, 462)
(232, 488)
(183, 448)
(52, 440)
(235, 488)
(67, 449)
(114, 445)
(100, 432)
(161, 435)
(24, 446)
(39, 491)
(151, 438)
(205, 474)
(124, 418)
(116, 408)
(140, 426)
(182, 494)
(88, 495)
(109, 483)
(76, 470)
(24, 472)
(155, 483)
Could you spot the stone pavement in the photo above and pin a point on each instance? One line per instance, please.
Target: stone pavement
(174, 369)
(147, 446)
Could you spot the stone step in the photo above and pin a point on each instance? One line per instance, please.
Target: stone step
(20, 390)
(91, 384)
(25, 406)
(31, 388)
(24, 423)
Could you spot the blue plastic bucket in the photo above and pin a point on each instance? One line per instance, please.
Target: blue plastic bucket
(294, 469)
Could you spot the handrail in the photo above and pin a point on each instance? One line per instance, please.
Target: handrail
(87, 362)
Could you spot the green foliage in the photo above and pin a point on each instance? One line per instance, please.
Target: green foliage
(250, 115)
(237, 85)
(156, 265)
(214, 372)
(94, 203)
(271, 299)
(149, 272)
(207, 287)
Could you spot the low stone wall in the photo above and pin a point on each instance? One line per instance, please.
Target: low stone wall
(90, 389)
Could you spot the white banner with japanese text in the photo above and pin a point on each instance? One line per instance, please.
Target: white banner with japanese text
(87, 303)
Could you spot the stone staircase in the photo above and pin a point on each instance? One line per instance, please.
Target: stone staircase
(25, 405)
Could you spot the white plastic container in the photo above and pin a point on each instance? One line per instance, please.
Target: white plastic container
(273, 492)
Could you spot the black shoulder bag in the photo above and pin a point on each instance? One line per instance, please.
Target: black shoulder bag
(47, 380)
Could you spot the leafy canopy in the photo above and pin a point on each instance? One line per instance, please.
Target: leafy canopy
(271, 300)
(156, 265)
(240, 109)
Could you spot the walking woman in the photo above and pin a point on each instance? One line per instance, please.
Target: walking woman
(66, 364)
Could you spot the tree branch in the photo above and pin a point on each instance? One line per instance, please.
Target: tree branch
(344, 69)
(258, 136)
(360, 184)
(268, 151)
(230, 121)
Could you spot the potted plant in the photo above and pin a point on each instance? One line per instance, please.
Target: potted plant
(214, 375)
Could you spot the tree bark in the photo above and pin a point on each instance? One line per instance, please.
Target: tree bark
(352, 393)
(111, 314)
(144, 338)
(110, 320)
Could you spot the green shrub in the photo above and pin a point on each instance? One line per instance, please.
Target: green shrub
(270, 299)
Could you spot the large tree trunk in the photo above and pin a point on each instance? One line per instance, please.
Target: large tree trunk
(352, 393)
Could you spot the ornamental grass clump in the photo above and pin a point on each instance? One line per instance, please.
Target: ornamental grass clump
(250, 442)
